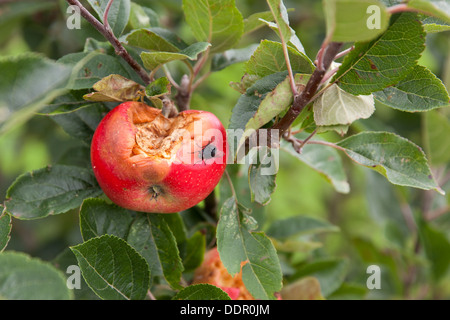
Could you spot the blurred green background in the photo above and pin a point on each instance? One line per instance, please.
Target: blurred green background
(377, 221)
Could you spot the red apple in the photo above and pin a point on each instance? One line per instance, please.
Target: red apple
(146, 162)
(212, 271)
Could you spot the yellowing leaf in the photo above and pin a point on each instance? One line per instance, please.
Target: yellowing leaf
(307, 288)
(115, 88)
(335, 106)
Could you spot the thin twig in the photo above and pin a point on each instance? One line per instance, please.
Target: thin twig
(298, 143)
(233, 191)
(302, 144)
(200, 80)
(105, 15)
(109, 35)
(431, 215)
(198, 66)
(344, 52)
(328, 75)
(170, 78)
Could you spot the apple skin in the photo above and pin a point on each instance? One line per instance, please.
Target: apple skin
(212, 271)
(151, 183)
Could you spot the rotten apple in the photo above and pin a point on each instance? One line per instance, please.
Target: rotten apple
(147, 162)
(212, 271)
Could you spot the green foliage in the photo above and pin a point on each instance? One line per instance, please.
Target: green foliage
(49, 191)
(347, 20)
(217, 22)
(387, 154)
(382, 62)
(23, 277)
(5, 229)
(201, 292)
(361, 174)
(109, 265)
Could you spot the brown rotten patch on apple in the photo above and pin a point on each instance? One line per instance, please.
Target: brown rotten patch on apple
(212, 271)
(162, 136)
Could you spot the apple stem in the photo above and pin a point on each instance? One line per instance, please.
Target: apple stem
(168, 110)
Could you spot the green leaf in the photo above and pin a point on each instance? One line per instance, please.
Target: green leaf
(436, 8)
(293, 42)
(26, 278)
(112, 268)
(337, 107)
(277, 101)
(201, 291)
(193, 251)
(437, 249)
(280, 15)
(155, 59)
(375, 65)
(95, 47)
(240, 189)
(273, 104)
(298, 226)
(159, 87)
(82, 122)
(384, 206)
(118, 15)
(387, 261)
(246, 82)
(222, 60)
(151, 236)
(246, 107)
(324, 160)
(262, 178)
(156, 39)
(28, 82)
(236, 243)
(248, 103)
(142, 17)
(436, 126)
(5, 230)
(218, 22)
(177, 226)
(256, 21)
(48, 191)
(268, 58)
(66, 103)
(398, 159)
(97, 218)
(420, 90)
(433, 25)
(330, 273)
(350, 291)
(355, 20)
(66, 261)
(92, 67)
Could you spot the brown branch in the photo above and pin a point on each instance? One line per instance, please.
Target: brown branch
(109, 35)
(325, 57)
(302, 100)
